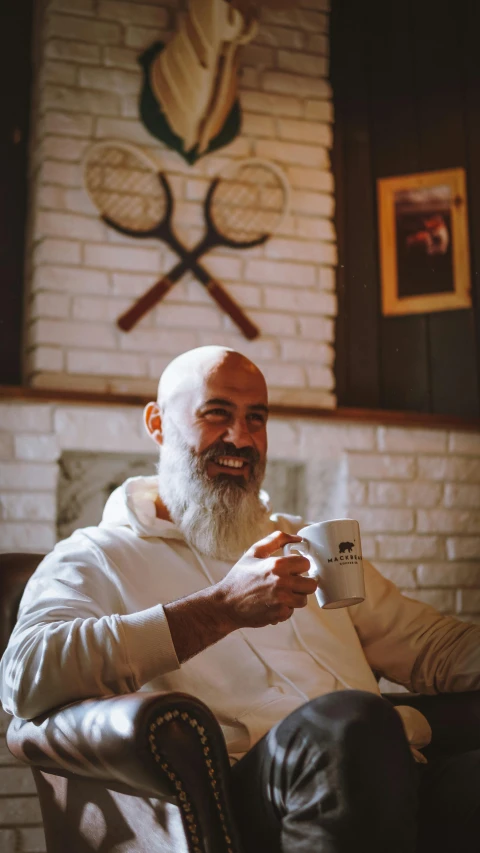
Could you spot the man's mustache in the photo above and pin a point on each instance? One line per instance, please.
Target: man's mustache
(226, 448)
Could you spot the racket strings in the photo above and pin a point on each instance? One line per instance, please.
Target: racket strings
(249, 204)
(124, 188)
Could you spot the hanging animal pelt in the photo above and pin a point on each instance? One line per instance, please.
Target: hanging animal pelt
(189, 98)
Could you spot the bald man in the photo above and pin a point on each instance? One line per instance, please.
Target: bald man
(183, 586)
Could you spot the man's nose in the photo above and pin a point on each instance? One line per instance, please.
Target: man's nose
(238, 434)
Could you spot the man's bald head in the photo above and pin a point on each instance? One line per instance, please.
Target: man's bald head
(189, 372)
(210, 421)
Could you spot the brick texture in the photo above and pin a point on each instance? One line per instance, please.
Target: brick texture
(88, 64)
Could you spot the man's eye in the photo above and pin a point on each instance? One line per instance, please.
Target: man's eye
(217, 413)
(257, 417)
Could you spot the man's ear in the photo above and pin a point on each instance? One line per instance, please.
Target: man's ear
(153, 422)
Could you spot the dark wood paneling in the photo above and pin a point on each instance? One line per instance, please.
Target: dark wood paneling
(453, 358)
(436, 34)
(471, 82)
(358, 324)
(392, 108)
(403, 356)
(15, 80)
(404, 363)
(415, 73)
(438, 29)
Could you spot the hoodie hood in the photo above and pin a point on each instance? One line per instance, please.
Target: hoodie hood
(133, 505)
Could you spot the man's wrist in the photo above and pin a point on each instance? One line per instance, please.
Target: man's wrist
(198, 621)
(221, 609)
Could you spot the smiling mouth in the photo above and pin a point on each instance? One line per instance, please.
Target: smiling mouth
(230, 462)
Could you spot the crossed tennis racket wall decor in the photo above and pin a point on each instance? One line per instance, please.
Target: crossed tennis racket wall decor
(243, 207)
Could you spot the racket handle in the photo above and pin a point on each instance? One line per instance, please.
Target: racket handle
(131, 317)
(231, 307)
(146, 302)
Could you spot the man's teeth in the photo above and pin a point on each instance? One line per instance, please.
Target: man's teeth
(228, 462)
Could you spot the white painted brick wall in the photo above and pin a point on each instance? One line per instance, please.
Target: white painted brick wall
(89, 80)
(421, 529)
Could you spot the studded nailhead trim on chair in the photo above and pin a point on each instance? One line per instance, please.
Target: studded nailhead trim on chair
(185, 804)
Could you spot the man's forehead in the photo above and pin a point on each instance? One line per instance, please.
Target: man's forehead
(222, 382)
(194, 377)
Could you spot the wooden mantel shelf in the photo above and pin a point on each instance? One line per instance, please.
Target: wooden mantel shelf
(366, 416)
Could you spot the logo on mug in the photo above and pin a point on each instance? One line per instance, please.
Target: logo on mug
(345, 554)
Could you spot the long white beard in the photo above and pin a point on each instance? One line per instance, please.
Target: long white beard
(219, 517)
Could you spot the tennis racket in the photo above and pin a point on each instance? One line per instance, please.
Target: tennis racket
(135, 198)
(242, 209)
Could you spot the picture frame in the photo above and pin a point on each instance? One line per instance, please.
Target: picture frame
(423, 241)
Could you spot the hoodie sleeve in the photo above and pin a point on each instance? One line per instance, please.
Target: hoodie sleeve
(411, 643)
(73, 639)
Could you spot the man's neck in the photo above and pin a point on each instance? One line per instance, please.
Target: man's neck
(161, 510)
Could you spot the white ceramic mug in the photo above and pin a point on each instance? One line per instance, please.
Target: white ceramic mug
(334, 550)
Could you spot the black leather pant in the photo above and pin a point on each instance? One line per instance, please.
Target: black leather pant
(337, 776)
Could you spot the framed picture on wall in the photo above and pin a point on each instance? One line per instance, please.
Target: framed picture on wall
(424, 252)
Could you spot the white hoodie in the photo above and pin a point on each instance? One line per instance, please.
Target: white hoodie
(91, 623)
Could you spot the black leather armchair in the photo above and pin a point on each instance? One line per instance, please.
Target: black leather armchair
(149, 771)
(145, 771)
(136, 773)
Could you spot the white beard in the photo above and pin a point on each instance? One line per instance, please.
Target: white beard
(219, 517)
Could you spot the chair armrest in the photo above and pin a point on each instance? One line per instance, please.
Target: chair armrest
(453, 717)
(159, 744)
